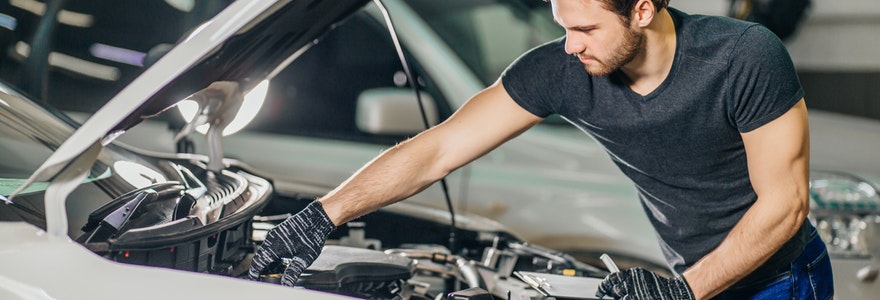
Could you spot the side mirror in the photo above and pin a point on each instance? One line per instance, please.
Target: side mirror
(393, 111)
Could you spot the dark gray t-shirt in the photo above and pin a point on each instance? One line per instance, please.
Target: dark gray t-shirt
(681, 143)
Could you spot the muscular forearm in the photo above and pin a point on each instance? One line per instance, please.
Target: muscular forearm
(396, 174)
(757, 236)
(778, 159)
(488, 119)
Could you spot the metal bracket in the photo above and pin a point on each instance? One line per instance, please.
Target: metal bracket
(218, 105)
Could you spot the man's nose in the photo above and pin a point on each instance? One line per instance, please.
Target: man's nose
(574, 45)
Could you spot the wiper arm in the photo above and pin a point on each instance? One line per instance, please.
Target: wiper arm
(114, 216)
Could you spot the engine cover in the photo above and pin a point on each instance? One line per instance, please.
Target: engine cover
(357, 272)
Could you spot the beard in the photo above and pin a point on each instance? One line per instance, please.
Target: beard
(631, 45)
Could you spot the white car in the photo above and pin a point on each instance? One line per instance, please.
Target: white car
(134, 224)
(552, 186)
(360, 103)
(82, 217)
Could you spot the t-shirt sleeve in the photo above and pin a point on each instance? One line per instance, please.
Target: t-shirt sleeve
(529, 80)
(765, 84)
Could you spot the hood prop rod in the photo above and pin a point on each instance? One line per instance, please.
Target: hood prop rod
(415, 87)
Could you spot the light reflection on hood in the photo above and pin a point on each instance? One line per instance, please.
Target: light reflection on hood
(137, 174)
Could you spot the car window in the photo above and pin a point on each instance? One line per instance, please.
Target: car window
(22, 156)
(28, 136)
(316, 95)
(489, 34)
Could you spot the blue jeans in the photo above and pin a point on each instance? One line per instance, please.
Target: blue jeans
(810, 277)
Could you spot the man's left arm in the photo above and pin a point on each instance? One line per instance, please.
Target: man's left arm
(778, 162)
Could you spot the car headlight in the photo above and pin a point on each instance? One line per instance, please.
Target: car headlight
(844, 211)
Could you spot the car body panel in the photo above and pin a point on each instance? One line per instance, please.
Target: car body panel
(40, 263)
(37, 258)
(847, 282)
(844, 143)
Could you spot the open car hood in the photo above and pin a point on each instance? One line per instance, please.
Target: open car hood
(246, 43)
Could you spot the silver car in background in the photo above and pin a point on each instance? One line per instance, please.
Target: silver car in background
(552, 185)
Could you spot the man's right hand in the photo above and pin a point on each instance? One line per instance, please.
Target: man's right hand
(642, 284)
(299, 238)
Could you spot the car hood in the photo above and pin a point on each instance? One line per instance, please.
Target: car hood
(108, 279)
(245, 43)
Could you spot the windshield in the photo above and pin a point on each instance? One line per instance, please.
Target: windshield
(29, 133)
(489, 34)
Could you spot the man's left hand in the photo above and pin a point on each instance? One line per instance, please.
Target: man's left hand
(299, 238)
(638, 283)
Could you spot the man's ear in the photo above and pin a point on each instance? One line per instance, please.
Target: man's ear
(643, 12)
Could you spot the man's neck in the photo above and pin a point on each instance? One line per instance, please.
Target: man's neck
(648, 70)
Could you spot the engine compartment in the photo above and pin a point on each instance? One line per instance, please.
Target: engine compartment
(372, 258)
(216, 231)
(201, 221)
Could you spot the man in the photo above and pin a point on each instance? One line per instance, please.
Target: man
(704, 114)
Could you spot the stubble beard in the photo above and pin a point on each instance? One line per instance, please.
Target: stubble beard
(633, 42)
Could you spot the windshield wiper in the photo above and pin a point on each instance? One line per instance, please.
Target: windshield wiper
(117, 215)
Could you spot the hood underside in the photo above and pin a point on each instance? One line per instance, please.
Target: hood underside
(245, 43)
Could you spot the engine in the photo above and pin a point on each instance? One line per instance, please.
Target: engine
(382, 265)
(371, 258)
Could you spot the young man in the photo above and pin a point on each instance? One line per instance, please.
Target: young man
(704, 114)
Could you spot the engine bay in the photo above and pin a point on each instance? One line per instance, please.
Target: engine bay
(372, 258)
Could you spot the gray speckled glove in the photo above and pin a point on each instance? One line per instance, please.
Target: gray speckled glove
(299, 238)
(638, 283)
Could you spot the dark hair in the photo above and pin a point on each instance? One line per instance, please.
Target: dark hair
(623, 8)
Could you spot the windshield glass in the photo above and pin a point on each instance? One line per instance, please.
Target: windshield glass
(29, 134)
(489, 34)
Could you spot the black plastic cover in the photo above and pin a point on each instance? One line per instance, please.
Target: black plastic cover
(338, 266)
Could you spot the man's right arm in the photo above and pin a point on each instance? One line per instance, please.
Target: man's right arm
(487, 120)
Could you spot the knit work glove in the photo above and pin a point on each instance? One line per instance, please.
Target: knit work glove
(638, 283)
(299, 239)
